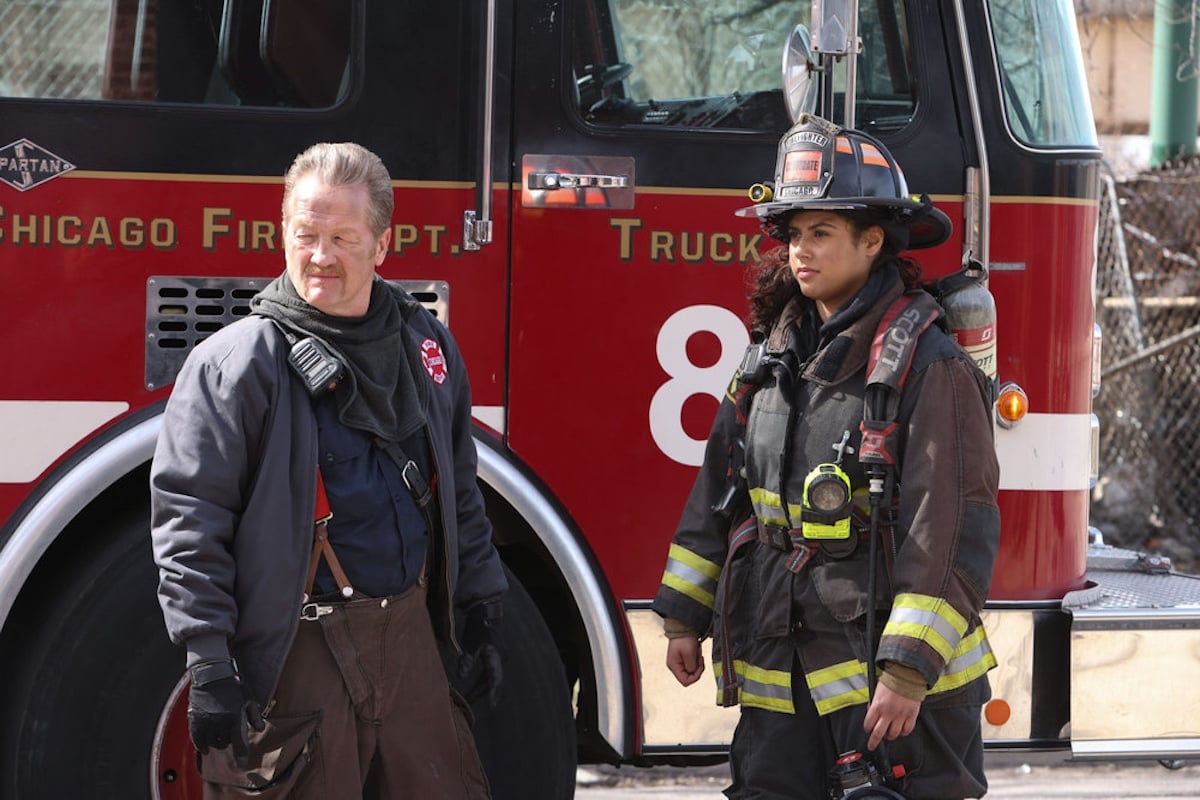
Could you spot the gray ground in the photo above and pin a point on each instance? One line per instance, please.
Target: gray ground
(1036, 776)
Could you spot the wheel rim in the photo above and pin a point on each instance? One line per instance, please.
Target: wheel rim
(173, 774)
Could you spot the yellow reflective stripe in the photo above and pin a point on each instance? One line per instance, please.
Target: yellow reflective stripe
(769, 507)
(928, 619)
(706, 599)
(770, 689)
(973, 658)
(762, 496)
(748, 698)
(861, 497)
(839, 686)
(709, 569)
(933, 605)
(691, 575)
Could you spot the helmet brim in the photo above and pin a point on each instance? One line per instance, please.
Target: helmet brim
(928, 226)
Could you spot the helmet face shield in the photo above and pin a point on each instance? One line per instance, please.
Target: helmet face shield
(823, 166)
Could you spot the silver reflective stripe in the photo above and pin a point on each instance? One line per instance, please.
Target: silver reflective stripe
(968, 659)
(760, 687)
(768, 690)
(851, 685)
(913, 623)
(975, 659)
(691, 575)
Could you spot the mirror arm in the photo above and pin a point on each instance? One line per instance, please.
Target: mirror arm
(477, 223)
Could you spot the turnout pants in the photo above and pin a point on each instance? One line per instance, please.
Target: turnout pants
(362, 701)
(777, 756)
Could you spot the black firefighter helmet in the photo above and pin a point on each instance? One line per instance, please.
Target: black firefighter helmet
(822, 165)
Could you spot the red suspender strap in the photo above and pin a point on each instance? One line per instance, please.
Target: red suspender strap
(322, 513)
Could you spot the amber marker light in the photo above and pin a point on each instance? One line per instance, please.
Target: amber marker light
(997, 712)
(1012, 405)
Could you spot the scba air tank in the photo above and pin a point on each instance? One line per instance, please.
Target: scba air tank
(971, 314)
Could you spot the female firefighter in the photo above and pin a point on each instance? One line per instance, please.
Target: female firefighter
(829, 455)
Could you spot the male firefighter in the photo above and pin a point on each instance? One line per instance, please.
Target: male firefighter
(316, 520)
(850, 471)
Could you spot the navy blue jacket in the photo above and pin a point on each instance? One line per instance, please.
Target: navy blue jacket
(233, 487)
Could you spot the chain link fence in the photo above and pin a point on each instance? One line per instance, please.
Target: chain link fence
(1148, 307)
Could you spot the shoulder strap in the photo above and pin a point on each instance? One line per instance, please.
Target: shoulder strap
(746, 381)
(420, 489)
(888, 365)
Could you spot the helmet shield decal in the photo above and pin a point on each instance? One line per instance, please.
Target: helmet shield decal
(805, 164)
(802, 166)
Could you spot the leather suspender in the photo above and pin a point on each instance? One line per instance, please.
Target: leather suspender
(322, 547)
(421, 491)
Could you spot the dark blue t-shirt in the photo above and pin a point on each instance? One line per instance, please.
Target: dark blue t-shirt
(377, 531)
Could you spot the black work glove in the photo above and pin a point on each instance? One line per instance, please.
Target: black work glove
(219, 710)
(480, 644)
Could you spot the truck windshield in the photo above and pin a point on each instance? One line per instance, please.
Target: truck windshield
(717, 63)
(1045, 94)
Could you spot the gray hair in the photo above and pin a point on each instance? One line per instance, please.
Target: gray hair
(346, 164)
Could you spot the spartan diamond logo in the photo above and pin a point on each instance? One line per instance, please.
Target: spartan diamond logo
(24, 165)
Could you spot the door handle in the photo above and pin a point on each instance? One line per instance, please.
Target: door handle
(569, 180)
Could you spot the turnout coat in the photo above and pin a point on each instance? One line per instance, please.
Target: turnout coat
(772, 596)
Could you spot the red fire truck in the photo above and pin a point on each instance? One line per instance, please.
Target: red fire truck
(565, 176)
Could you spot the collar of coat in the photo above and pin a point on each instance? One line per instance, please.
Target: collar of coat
(845, 339)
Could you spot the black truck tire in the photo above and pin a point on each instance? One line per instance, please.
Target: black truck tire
(527, 742)
(88, 670)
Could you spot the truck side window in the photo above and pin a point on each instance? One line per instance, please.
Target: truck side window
(292, 53)
(1046, 98)
(715, 63)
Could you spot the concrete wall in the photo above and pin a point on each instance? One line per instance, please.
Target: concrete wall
(1118, 56)
(1117, 37)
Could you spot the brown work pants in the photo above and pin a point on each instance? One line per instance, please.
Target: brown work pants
(363, 694)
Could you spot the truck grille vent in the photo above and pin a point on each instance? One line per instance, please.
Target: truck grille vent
(182, 312)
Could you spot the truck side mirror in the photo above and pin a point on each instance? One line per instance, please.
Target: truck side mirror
(799, 88)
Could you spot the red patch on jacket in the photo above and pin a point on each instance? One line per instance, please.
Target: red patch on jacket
(435, 362)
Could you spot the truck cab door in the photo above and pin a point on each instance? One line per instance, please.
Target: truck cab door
(636, 132)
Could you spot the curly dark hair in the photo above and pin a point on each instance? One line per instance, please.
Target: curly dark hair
(771, 285)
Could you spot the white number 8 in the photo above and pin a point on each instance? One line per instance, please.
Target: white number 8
(687, 379)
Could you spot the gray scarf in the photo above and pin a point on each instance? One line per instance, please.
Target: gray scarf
(379, 394)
